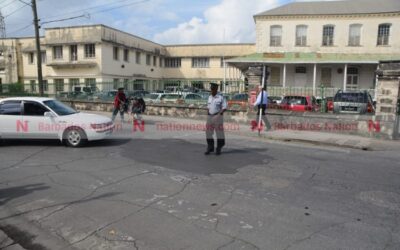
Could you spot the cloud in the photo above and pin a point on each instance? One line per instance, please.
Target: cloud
(230, 21)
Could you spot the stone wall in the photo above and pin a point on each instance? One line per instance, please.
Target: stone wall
(362, 125)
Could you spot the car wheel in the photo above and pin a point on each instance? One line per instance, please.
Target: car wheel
(74, 137)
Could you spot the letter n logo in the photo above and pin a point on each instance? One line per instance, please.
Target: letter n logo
(137, 125)
(374, 127)
(22, 127)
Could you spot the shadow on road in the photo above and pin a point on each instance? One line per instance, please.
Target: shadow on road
(56, 143)
(189, 157)
(8, 194)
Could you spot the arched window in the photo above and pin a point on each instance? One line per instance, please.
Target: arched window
(328, 35)
(355, 35)
(384, 34)
(301, 35)
(275, 36)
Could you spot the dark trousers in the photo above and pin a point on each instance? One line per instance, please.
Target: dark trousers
(215, 123)
(115, 112)
(263, 107)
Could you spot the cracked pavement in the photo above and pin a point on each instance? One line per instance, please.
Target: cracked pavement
(156, 190)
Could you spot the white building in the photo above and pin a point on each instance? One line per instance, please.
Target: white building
(335, 44)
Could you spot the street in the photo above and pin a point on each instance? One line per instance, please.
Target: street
(157, 190)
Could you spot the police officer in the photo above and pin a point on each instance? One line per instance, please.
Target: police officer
(215, 121)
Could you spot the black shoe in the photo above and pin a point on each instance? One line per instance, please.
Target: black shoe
(218, 151)
(208, 151)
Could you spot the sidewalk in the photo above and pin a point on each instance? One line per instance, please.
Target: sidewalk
(311, 137)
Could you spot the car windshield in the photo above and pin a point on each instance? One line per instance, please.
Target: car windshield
(296, 100)
(351, 97)
(172, 96)
(151, 96)
(60, 108)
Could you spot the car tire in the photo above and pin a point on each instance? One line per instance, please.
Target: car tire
(74, 137)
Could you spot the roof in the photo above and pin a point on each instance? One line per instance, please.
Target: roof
(27, 98)
(307, 58)
(334, 8)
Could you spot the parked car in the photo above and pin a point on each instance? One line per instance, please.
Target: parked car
(153, 97)
(275, 99)
(172, 98)
(239, 101)
(192, 98)
(329, 104)
(137, 93)
(299, 103)
(353, 102)
(46, 118)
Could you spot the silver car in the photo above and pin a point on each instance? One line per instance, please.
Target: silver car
(353, 102)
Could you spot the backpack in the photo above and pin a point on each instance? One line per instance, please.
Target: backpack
(142, 103)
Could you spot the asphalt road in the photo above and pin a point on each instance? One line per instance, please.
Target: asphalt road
(157, 190)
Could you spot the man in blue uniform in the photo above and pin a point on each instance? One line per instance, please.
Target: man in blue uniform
(215, 121)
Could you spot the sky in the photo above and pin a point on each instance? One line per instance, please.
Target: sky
(162, 21)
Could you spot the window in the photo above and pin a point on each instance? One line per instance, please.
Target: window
(73, 52)
(57, 52)
(10, 108)
(328, 35)
(116, 53)
(275, 36)
(275, 76)
(138, 55)
(148, 59)
(126, 81)
(91, 83)
(33, 85)
(34, 109)
(161, 62)
(173, 62)
(73, 82)
(116, 83)
(44, 58)
(355, 35)
(301, 70)
(59, 84)
(90, 50)
(45, 85)
(154, 61)
(301, 35)
(31, 57)
(383, 34)
(352, 78)
(200, 62)
(126, 55)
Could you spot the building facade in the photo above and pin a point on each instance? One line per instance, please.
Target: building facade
(102, 58)
(335, 44)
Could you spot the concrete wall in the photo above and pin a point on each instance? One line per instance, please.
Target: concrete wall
(369, 32)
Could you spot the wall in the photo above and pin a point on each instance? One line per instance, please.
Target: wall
(315, 24)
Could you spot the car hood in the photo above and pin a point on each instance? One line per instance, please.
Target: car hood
(85, 118)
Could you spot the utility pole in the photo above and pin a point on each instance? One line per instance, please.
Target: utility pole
(38, 51)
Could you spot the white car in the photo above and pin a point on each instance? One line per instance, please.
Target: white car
(46, 118)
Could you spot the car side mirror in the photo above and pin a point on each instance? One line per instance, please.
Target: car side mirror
(49, 114)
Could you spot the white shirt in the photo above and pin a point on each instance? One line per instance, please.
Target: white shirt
(215, 104)
(265, 98)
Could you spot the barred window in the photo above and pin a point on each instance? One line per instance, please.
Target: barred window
(383, 34)
(301, 35)
(116, 53)
(328, 35)
(148, 59)
(43, 55)
(31, 57)
(275, 36)
(200, 62)
(154, 61)
(91, 83)
(126, 55)
(301, 70)
(90, 50)
(59, 84)
(73, 51)
(173, 62)
(355, 35)
(57, 52)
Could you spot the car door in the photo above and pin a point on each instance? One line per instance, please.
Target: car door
(40, 127)
(11, 124)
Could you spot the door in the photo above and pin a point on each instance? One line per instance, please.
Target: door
(11, 124)
(300, 77)
(326, 77)
(40, 127)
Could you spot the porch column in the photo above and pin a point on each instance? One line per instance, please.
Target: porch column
(223, 87)
(345, 77)
(314, 79)
(284, 75)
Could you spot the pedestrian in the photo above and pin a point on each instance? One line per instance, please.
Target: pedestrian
(120, 104)
(261, 103)
(138, 107)
(215, 120)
